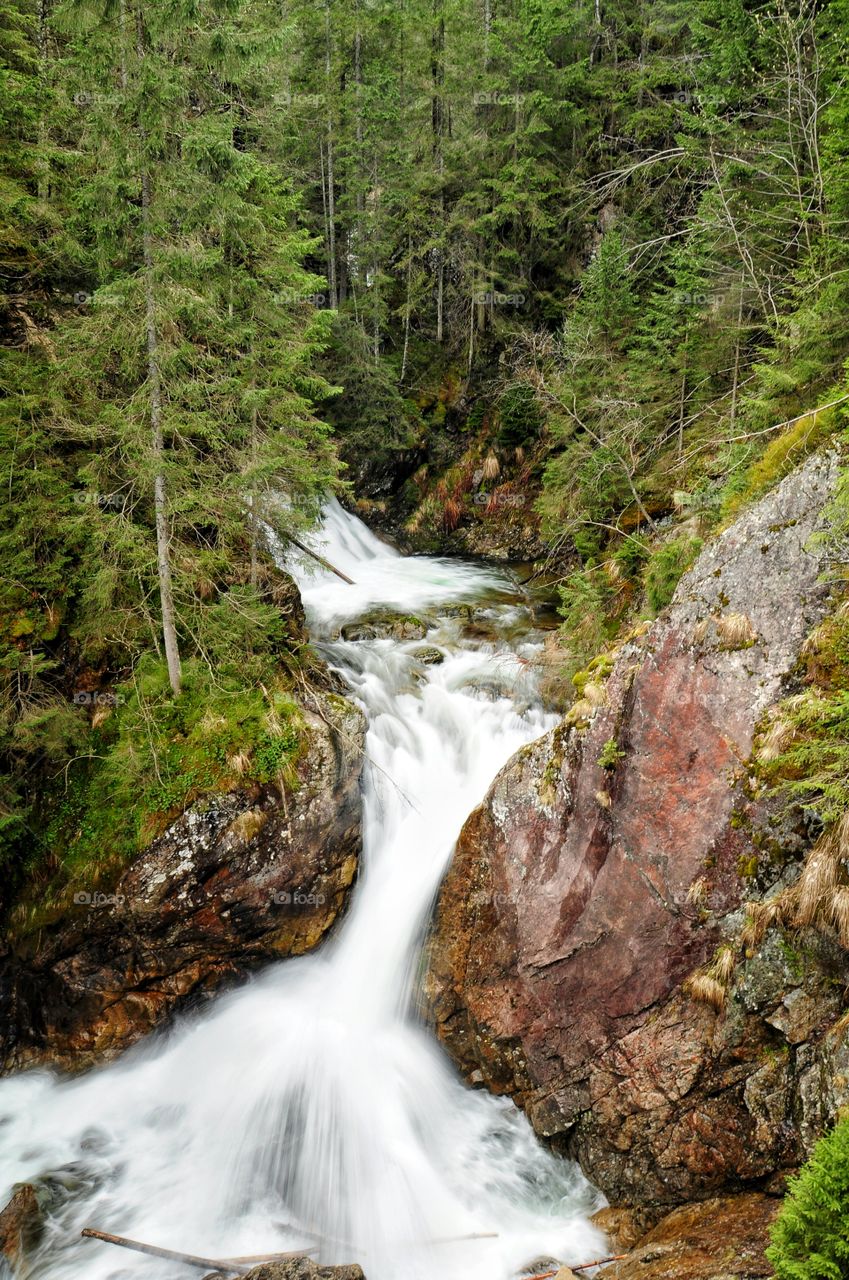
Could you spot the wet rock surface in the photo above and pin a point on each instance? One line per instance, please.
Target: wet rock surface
(717, 1239)
(609, 860)
(20, 1226)
(239, 879)
(304, 1269)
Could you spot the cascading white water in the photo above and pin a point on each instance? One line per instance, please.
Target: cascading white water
(312, 1097)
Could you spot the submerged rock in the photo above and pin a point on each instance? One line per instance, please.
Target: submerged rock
(605, 865)
(382, 624)
(429, 655)
(304, 1269)
(237, 880)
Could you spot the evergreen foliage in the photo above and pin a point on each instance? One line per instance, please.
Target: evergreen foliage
(809, 1238)
(599, 251)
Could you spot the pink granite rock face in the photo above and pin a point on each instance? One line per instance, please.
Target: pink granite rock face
(568, 919)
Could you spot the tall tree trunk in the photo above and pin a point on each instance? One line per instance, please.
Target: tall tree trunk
(154, 378)
(407, 308)
(43, 39)
(736, 380)
(163, 554)
(254, 517)
(331, 198)
(437, 71)
(682, 399)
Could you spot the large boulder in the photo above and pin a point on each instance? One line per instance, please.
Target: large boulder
(606, 864)
(237, 880)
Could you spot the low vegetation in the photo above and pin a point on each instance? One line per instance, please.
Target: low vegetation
(809, 1237)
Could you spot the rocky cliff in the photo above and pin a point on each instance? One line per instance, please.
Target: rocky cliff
(237, 880)
(611, 859)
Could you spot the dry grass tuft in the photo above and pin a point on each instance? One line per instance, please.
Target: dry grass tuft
(775, 741)
(760, 916)
(212, 724)
(239, 763)
(101, 714)
(580, 710)
(603, 800)
(722, 967)
(613, 571)
(698, 892)
(491, 467)
(735, 631)
(451, 513)
(594, 694)
(700, 631)
(248, 825)
(701, 986)
(710, 985)
(818, 899)
(813, 891)
(816, 640)
(840, 913)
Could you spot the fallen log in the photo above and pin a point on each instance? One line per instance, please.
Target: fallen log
(237, 1266)
(325, 564)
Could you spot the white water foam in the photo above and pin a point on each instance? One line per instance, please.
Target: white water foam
(312, 1099)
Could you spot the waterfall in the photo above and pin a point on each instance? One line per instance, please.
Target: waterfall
(313, 1097)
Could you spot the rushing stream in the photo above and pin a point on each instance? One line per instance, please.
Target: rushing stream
(313, 1097)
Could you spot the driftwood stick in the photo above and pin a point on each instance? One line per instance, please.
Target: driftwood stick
(321, 560)
(239, 1266)
(584, 1266)
(254, 1258)
(600, 1262)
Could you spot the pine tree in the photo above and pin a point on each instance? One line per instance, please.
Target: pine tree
(810, 1240)
(192, 370)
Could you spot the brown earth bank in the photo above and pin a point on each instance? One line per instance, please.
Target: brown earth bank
(237, 880)
(612, 857)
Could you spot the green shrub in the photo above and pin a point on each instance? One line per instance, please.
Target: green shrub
(665, 567)
(149, 759)
(520, 419)
(810, 1237)
(610, 755)
(584, 599)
